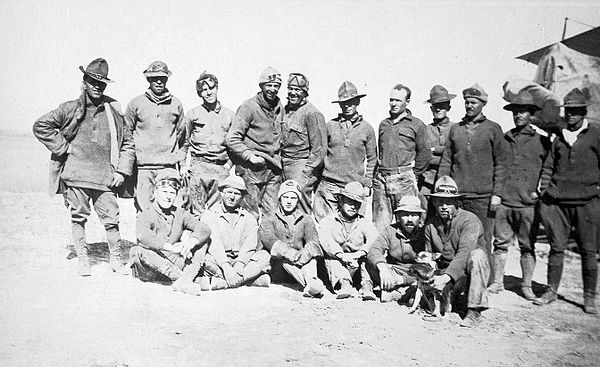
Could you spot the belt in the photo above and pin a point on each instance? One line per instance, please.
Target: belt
(393, 171)
(218, 162)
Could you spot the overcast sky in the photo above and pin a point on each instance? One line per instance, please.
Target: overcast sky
(374, 44)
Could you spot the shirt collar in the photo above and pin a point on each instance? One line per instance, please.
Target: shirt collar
(442, 122)
(262, 102)
(217, 107)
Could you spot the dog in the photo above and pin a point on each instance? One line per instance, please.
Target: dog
(424, 269)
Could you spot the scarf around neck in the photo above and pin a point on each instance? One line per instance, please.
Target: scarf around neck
(571, 136)
(164, 98)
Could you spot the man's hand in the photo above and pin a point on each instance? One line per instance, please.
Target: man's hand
(232, 277)
(185, 170)
(385, 276)
(172, 247)
(257, 161)
(440, 281)
(239, 267)
(186, 246)
(495, 203)
(350, 258)
(118, 180)
(534, 196)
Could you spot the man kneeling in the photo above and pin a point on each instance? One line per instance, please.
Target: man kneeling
(162, 249)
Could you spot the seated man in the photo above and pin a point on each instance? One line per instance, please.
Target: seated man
(162, 248)
(396, 248)
(346, 237)
(233, 257)
(458, 235)
(290, 235)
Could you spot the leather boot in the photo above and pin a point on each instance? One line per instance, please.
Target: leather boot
(590, 279)
(366, 291)
(346, 290)
(499, 262)
(589, 303)
(114, 247)
(555, 268)
(527, 268)
(83, 261)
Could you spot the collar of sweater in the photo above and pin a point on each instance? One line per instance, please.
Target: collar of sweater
(291, 108)
(354, 119)
(163, 212)
(479, 118)
(294, 217)
(443, 122)
(527, 130)
(405, 115)
(163, 98)
(262, 102)
(571, 136)
(217, 108)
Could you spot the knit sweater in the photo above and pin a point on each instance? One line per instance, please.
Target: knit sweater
(393, 246)
(206, 132)
(340, 235)
(295, 231)
(437, 135)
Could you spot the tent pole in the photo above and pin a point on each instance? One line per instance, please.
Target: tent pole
(564, 30)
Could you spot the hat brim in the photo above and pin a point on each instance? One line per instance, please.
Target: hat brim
(444, 195)
(352, 197)
(349, 98)
(410, 209)
(514, 106)
(574, 105)
(150, 74)
(96, 77)
(450, 97)
(241, 189)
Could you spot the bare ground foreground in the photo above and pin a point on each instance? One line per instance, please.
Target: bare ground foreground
(50, 317)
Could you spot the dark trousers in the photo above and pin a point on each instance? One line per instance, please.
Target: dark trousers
(262, 185)
(520, 222)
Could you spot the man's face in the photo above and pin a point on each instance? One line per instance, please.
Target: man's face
(398, 101)
(574, 116)
(440, 110)
(295, 95)
(521, 117)
(231, 198)
(165, 196)
(289, 202)
(270, 91)
(473, 106)
(349, 107)
(93, 87)
(446, 208)
(209, 92)
(408, 220)
(158, 84)
(348, 207)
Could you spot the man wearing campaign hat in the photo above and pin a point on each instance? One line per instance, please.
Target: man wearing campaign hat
(350, 142)
(458, 235)
(92, 155)
(163, 250)
(437, 133)
(254, 141)
(404, 155)
(517, 215)
(302, 146)
(233, 257)
(396, 248)
(207, 159)
(346, 237)
(476, 156)
(156, 120)
(291, 237)
(570, 183)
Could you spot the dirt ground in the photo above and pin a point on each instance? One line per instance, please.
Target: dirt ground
(51, 317)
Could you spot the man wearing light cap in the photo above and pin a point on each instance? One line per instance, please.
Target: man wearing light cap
(291, 237)
(396, 248)
(346, 237)
(163, 251)
(156, 120)
(570, 183)
(92, 155)
(207, 159)
(254, 141)
(233, 257)
(476, 156)
(302, 146)
(350, 142)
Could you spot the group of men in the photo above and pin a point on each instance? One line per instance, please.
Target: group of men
(298, 194)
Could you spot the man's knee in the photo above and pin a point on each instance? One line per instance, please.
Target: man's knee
(478, 257)
(263, 258)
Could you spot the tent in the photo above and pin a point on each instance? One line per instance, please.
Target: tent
(586, 43)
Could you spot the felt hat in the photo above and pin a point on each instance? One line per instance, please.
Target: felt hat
(270, 75)
(288, 186)
(347, 91)
(168, 176)
(476, 91)
(157, 68)
(298, 80)
(409, 203)
(353, 190)
(439, 94)
(445, 187)
(575, 98)
(98, 70)
(235, 182)
(522, 99)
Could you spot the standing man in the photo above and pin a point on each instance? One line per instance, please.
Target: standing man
(571, 180)
(302, 146)
(156, 120)
(92, 154)
(207, 160)
(346, 237)
(517, 215)
(458, 235)
(437, 133)
(255, 142)
(350, 141)
(476, 157)
(404, 155)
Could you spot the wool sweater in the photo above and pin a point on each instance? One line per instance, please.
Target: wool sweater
(206, 132)
(437, 134)
(295, 231)
(393, 246)
(340, 235)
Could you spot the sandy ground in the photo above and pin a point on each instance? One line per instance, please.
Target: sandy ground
(51, 317)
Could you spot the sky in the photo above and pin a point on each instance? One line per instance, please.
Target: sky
(374, 44)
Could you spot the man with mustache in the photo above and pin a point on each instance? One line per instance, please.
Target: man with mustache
(156, 121)
(395, 249)
(517, 216)
(571, 184)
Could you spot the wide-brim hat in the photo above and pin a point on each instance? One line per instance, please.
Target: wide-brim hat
(522, 99)
(409, 203)
(235, 182)
(445, 187)
(97, 70)
(575, 98)
(439, 94)
(347, 91)
(354, 191)
(157, 68)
